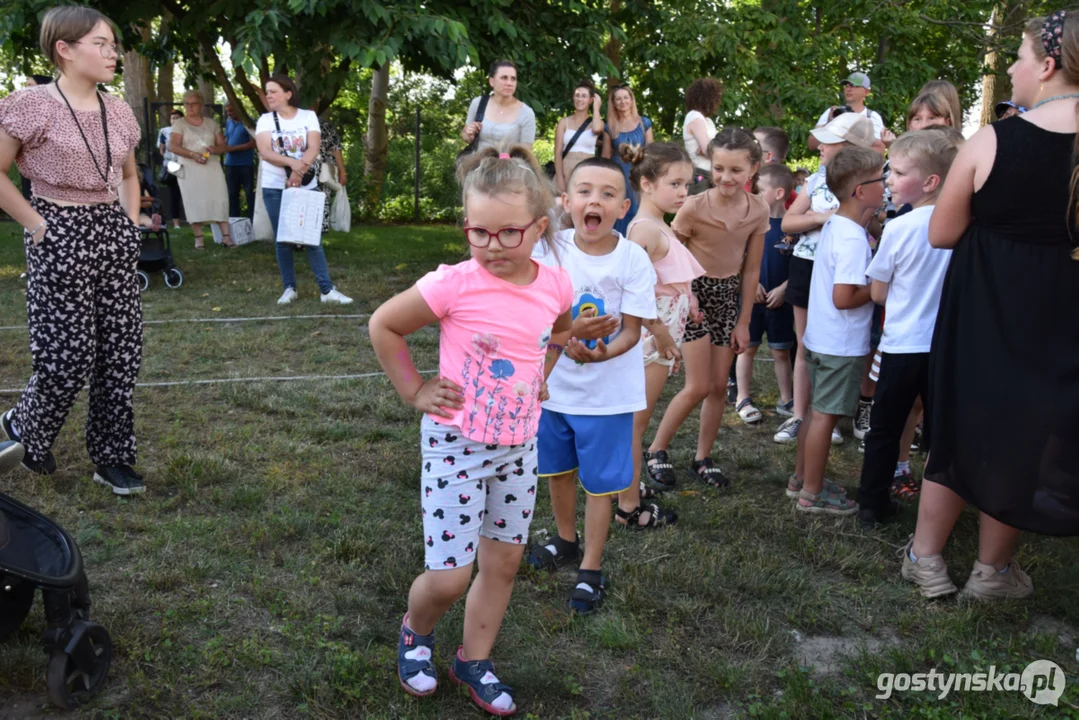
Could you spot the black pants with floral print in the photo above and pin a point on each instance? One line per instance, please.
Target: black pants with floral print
(85, 318)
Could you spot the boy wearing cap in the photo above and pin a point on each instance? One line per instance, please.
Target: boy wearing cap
(1006, 109)
(855, 89)
(805, 217)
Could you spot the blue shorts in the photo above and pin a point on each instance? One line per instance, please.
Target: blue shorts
(598, 447)
(777, 324)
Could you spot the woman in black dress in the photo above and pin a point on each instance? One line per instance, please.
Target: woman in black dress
(1003, 412)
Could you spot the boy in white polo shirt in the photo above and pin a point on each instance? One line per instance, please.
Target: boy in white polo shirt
(837, 328)
(907, 277)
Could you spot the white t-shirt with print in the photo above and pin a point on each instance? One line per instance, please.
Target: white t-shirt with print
(621, 282)
(916, 272)
(843, 256)
(701, 162)
(873, 115)
(291, 141)
(821, 199)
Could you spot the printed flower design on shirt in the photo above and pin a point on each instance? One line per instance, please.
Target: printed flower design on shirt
(588, 301)
(545, 338)
(520, 389)
(486, 344)
(501, 369)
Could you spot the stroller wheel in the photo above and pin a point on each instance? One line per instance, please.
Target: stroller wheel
(144, 281)
(173, 278)
(15, 604)
(70, 685)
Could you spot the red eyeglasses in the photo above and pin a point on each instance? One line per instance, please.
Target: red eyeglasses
(508, 237)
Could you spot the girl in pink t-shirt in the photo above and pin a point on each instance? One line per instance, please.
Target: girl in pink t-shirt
(497, 313)
(661, 173)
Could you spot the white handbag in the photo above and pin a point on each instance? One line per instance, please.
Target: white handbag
(327, 176)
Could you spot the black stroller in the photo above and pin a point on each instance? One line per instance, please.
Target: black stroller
(155, 253)
(37, 553)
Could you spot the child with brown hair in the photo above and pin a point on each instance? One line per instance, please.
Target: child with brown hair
(837, 328)
(724, 228)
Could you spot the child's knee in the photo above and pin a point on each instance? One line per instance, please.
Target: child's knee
(449, 585)
(781, 355)
(500, 560)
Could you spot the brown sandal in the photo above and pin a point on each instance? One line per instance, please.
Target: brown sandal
(199, 242)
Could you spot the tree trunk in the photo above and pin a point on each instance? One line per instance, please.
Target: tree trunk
(166, 78)
(613, 48)
(205, 87)
(137, 78)
(376, 144)
(1005, 28)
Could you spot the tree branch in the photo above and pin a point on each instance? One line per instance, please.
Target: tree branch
(210, 53)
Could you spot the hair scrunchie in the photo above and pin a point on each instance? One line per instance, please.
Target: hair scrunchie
(1052, 34)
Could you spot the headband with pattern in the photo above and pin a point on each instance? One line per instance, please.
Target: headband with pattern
(1052, 33)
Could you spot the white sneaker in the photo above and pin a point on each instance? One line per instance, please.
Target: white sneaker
(788, 432)
(336, 297)
(837, 437)
(288, 296)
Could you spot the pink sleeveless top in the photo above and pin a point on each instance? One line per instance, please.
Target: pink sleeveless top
(675, 270)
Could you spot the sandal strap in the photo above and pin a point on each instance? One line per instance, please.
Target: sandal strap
(747, 401)
(826, 498)
(476, 671)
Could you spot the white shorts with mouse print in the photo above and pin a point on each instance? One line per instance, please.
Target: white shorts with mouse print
(469, 489)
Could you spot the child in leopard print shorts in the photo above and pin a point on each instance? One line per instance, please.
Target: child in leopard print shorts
(724, 229)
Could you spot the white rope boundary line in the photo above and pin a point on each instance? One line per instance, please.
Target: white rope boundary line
(268, 318)
(285, 378)
(220, 381)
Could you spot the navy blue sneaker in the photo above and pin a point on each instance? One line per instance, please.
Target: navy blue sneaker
(414, 667)
(588, 593)
(483, 686)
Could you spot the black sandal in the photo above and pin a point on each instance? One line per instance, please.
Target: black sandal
(588, 593)
(659, 468)
(555, 554)
(657, 517)
(650, 493)
(705, 470)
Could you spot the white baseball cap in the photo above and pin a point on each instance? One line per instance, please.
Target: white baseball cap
(854, 128)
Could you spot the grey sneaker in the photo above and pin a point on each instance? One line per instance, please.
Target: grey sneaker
(785, 409)
(788, 432)
(11, 454)
(988, 583)
(930, 574)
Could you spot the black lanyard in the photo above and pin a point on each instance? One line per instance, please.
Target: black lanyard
(105, 127)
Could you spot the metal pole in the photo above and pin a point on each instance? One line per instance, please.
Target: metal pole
(416, 206)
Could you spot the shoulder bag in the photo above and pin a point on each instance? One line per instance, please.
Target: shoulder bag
(312, 172)
(471, 147)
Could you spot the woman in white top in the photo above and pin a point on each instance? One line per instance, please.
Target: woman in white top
(506, 120)
(566, 158)
(703, 97)
(289, 139)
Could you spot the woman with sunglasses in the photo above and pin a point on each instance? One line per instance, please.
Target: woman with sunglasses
(625, 128)
(76, 144)
(198, 141)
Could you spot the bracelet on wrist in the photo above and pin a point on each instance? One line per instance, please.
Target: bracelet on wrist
(44, 223)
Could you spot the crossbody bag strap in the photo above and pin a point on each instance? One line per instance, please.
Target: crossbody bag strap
(573, 140)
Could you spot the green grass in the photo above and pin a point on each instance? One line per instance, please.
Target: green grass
(265, 571)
